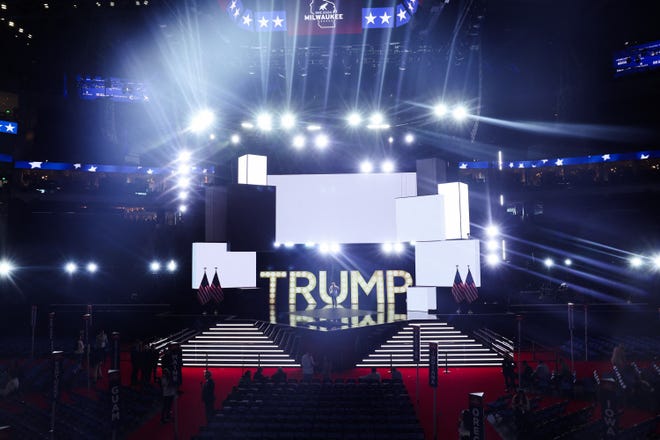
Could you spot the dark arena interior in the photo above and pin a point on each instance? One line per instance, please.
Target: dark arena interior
(329, 219)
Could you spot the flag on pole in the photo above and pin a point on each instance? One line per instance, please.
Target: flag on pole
(203, 294)
(215, 290)
(457, 287)
(471, 293)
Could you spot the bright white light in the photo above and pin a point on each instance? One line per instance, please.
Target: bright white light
(276, 244)
(409, 138)
(387, 166)
(568, 262)
(501, 199)
(313, 127)
(171, 266)
(235, 139)
(656, 261)
(183, 208)
(387, 248)
(264, 122)
(201, 121)
(298, 142)
(413, 243)
(492, 259)
(335, 248)
(92, 267)
(310, 244)
(154, 266)
(324, 248)
(321, 141)
(5, 268)
(212, 136)
(636, 262)
(366, 167)
(390, 139)
(287, 121)
(354, 119)
(492, 231)
(183, 195)
(184, 169)
(459, 113)
(548, 262)
(499, 160)
(183, 182)
(247, 125)
(184, 156)
(491, 245)
(288, 244)
(440, 110)
(70, 267)
(398, 247)
(377, 119)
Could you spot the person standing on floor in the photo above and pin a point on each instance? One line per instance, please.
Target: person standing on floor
(307, 364)
(168, 388)
(208, 396)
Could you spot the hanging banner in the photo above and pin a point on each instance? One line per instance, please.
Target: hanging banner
(476, 402)
(609, 404)
(416, 343)
(114, 383)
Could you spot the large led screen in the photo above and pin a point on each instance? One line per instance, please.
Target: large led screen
(235, 269)
(436, 262)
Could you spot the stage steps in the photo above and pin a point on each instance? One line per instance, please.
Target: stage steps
(454, 348)
(234, 344)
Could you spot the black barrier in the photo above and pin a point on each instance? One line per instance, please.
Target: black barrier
(433, 364)
(56, 387)
(116, 352)
(114, 382)
(476, 401)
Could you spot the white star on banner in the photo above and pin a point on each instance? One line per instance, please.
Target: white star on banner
(644, 156)
(76, 166)
(402, 15)
(10, 128)
(521, 165)
(463, 166)
(370, 18)
(247, 20)
(560, 162)
(277, 21)
(385, 18)
(237, 12)
(263, 22)
(34, 165)
(233, 5)
(92, 169)
(606, 157)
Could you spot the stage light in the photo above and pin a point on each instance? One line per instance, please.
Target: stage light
(492, 259)
(287, 121)
(491, 245)
(366, 167)
(183, 208)
(390, 139)
(387, 248)
(70, 267)
(183, 195)
(313, 127)
(335, 248)
(501, 199)
(276, 244)
(154, 266)
(492, 231)
(636, 262)
(324, 248)
(201, 121)
(549, 262)
(184, 169)
(171, 266)
(387, 166)
(440, 110)
(298, 142)
(92, 267)
(409, 138)
(247, 125)
(264, 122)
(288, 244)
(459, 113)
(235, 139)
(212, 136)
(184, 156)
(656, 261)
(321, 141)
(398, 247)
(310, 244)
(568, 262)
(376, 119)
(6, 268)
(354, 119)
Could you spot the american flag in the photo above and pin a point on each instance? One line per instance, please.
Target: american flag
(215, 290)
(203, 292)
(457, 287)
(470, 288)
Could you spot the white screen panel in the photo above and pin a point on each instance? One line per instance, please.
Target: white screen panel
(421, 299)
(253, 169)
(235, 269)
(341, 208)
(457, 210)
(420, 218)
(436, 261)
